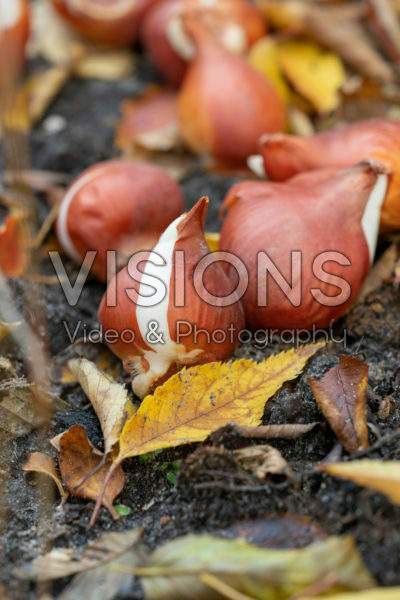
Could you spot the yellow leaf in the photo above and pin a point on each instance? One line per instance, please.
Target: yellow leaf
(381, 476)
(314, 72)
(196, 401)
(110, 400)
(212, 240)
(264, 57)
(392, 593)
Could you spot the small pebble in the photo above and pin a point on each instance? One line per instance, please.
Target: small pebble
(54, 124)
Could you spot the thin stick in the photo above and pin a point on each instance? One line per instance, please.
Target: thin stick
(49, 221)
(222, 588)
(101, 495)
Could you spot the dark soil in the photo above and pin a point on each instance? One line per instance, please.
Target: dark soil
(165, 511)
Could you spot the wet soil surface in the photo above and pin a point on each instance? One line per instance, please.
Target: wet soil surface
(164, 510)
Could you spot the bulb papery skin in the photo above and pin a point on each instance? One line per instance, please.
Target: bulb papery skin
(14, 33)
(379, 139)
(308, 249)
(167, 334)
(225, 105)
(234, 23)
(116, 205)
(111, 22)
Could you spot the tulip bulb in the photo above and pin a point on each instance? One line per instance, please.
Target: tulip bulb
(225, 105)
(114, 22)
(14, 33)
(308, 248)
(116, 205)
(378, 139)
(178, 314)
(234, 23)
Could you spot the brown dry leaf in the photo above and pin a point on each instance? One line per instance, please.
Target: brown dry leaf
(109, 399)
(63, 562)
(262, 460)
(55, 41)
(150, 121)
(382, 270)
(198, 400)
(341, 396)
(315, 73)
(13, 246)
(77, 458)
(385, 24)
(42, 463)
(378, 475)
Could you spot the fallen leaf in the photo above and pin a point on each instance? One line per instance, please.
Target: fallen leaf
(275, 531)
(13, 246)
(77, 458)
(42, 88)
(174, 570)
(264, 57)
(381, 271)
(212, 240)
(351, 43)
(109, 399)
(198, 400)
(112, 578)
(103, 359)
(24, 406)
(314, 72)
(63, 562)
(384, 22)
(262, 460)
(378, 475)
(150, 121)
(336, 28)
(341, 396)
(42, 463)
(55, 41)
